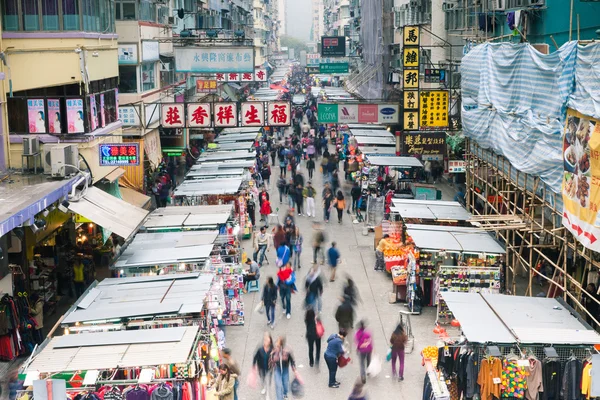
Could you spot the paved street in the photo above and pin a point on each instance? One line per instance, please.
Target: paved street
(358, 259)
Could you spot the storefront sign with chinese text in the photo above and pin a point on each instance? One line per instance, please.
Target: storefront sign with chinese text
(214, 59)
(411, 57)
(352, 113)
(424, 143)
(119, 154)
(253, 114)
(457, 166)
(279, 113)
(333, 46)
(581, 178)
(433, 111)
(199, 115)
(435, 75)
(259, 75)
(226, 115)
(172, 115)
(334, 68)
(410, 77)
(206, 86)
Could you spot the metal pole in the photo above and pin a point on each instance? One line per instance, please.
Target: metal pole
(571, 22)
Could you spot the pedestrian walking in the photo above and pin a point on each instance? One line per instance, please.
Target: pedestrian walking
(282, 167)
(310, 166)
(263, 196)
(398, 343)
(351, 291)
(234, 370)
(282, 188)
(340, 204)
(309, 194)
(335, 349)
(327, 205)
(314, 289)
(260, 362)
(355, 193)
(225, 384)
(291, 191)
(318, 240)
(312, 337)
(364, 348)
(265, 172)
(358, 391)
(278, 236)
(333, 258)
(287, 285)
(298, 241)
(299, 193)
(283, 254)
(265, 210)
(344, 316)
(269, 299)
(261, 246)
(282, 359)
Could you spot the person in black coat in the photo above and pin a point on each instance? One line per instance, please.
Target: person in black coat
(269, 298)
(313, 339)
(261, 361)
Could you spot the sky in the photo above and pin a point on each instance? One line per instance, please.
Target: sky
(298, 19)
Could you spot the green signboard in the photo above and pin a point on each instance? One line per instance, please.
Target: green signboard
(313, 69)
(333, 68)
(327, 113)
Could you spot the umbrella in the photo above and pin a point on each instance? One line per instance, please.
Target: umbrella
(280, 88)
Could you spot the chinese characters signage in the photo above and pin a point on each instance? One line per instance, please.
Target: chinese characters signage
(433, 109)
(457, 166)
(331, 113)
(206, 86)
(435, 75)
(214, 59)
(425, 144)
(225, 114)
(36, 116)
(333, 46)
(119, 154)
(259, 75)
(129, 115)
(334, 68)
(75, 116)
(410, 77)
(581, 178)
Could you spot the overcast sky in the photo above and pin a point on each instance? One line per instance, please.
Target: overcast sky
(298, 19)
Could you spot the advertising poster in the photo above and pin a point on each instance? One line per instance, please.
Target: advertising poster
(75, 116)
(93, 113)
(581, 178)
(54, 116)
(102, 112)
(36, 116)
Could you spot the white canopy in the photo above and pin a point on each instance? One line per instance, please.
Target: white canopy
(119, 349)
(109, 212)
(454, 239)
(226, 155)
(394, 161)
(434, 210)
(371, 133)
(188, 217)
(381, 141)
(224, 164)
(236, 137)
(233, 146)
(142, 296)
(366, 126)
(209, 186)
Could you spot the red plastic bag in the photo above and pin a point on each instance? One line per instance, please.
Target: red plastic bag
(252, 379)
(320, 329)
(343, 360)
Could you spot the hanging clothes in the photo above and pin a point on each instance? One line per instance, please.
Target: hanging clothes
(514, 380)
(490, 377)
(586, 381)
(535, 383)
(570, 389)
(552, 379)
(472, 388)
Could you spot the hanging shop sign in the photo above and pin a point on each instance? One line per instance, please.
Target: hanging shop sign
(411, 57)
(435, 75)
(150, 50)
(208, 60)
(457, 166)
(75, 116)
(332, 113)
(410, 77)
(129, 115)
(128, 54)
(225, 114)
(259, 75)
(581, 178)
(411, 36)
(313, 69)
(206, 86)
(334, 68)
(119, 154)
(424, 143)
(411, 120)
(433, 109)
(333, 46)
(36, 115)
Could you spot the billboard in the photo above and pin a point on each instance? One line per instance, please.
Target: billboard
(119, 154)
(207, 60)
(361, 113)
(333, 46)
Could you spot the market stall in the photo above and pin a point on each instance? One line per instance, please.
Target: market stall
(189, 218)
(236, 137)
(430, 212)
(226, 164)
(376, 169)
(226, 156)
(231, 146)
(515, 347)
(207, 172)
(209, 191)
(371, 132)
(368, 141)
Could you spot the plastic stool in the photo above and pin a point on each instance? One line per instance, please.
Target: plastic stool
(252, 286)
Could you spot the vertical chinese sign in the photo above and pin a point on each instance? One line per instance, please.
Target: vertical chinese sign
(410, 77)
(581, 178)
(433, 112)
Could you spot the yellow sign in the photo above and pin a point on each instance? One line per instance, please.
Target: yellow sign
(433, 109)
(80, 219)
(410, 57)
(411, 120)
(581, 178)
(410, 78)
(412, 35)
(411, 99)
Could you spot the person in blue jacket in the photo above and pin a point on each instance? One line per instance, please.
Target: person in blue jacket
(283, 255)
(335, 349)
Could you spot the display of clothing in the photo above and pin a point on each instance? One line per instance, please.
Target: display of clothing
(586, 381)
(472, 387)
(571, 378)
(489, 378)
(514, 380)
(535, 383)
(552, 379)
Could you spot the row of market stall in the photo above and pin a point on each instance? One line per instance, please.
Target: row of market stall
(178, 282)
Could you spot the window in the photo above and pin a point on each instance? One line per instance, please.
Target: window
(31, 18)
(147, 11)
(50, 15)
(128, 79)
(10, 15)
(125, 10)
(70, 10)
(148, 82)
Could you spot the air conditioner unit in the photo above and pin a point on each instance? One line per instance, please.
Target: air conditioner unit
(31, 145)
(61, 157)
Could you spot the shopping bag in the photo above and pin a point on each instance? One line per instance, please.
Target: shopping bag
(297, 388)
(389, 355)
(374, 367)
(252, 378)
(260, 308)
(320, 329)
(343, 360)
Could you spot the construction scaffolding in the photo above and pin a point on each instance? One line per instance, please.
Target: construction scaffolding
(526, 217)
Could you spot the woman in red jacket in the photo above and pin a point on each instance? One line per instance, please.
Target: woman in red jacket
(265, 210)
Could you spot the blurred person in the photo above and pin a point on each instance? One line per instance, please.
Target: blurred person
(358, 391)
(364, 348)
(398, 343)
(286, 283)
(282, 359)
(344, 315)
(340, 204)
(333, 257)
(298, 241)
(282, 188)
(314, 289)
(318, 240)
(261, 362)
(313, 339)
(335, 349)
(278, 236)
(269, 299)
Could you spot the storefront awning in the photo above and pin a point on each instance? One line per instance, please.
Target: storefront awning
(394, 161)
(109, 212)
(209, 187)
(434, 210)
(134, 197)
(371, 133)
(378, 141)
(454, 239)
(120, 349)
(116, 174)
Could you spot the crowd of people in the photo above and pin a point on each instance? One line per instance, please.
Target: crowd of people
(301, 150)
